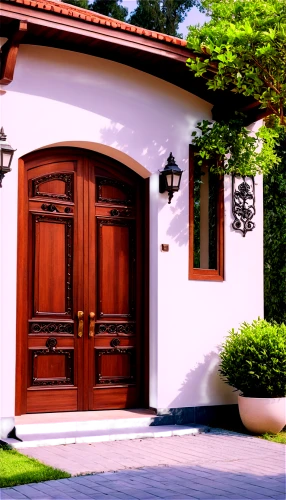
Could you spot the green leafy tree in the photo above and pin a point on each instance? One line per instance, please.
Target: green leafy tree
(78, 3)
(161, 15)
(243, 46)
(231, 149)
(111, 8)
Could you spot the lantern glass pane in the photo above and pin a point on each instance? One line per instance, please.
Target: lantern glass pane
(176, 180)
(5, 159)
(169, 178)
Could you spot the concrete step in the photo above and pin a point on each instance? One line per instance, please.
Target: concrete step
(25, 429)
(87, 435)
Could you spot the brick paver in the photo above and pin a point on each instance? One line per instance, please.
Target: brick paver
(218, 465)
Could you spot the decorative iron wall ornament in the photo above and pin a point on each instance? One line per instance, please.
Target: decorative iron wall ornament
(243, 203)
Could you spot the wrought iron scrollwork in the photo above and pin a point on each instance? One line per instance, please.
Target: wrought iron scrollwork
(126, 329)
(51, 328)
(243, 204)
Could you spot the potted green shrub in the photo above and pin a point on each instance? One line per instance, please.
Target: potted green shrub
(253, 361)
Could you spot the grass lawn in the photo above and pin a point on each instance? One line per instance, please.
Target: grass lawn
(275, 438)
(238, 426)
(18, 469)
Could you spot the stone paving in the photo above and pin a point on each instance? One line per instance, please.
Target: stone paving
(217, 465)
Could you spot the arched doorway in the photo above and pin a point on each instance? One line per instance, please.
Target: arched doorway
(80, 300)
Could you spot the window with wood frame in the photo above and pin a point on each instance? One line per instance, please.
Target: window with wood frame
(206, 239)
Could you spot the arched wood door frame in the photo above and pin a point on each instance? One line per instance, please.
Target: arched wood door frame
(44, 157)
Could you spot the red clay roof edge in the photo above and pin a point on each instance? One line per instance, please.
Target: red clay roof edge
(93, 17)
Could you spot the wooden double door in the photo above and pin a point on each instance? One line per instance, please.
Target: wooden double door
(80, 283)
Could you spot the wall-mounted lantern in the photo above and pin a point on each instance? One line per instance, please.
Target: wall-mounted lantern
(6, 156)
(170, 178)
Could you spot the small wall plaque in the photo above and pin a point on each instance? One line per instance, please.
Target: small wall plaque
(165, 247)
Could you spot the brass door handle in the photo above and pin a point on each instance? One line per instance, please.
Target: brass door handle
(80, 324)
(91, 324)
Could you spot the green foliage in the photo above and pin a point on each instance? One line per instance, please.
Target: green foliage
(253, 360)
(275, 237)
(111, 8)
(161, 15)
(231, 148)
(19, 469)
(243, 46)
(84, 4)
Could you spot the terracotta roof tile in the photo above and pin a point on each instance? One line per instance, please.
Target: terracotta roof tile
(96, 18)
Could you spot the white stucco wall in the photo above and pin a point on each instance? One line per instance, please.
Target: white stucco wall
(60, 97)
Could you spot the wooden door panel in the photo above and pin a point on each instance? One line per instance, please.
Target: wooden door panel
(53, 265)
(55, 185)
(51, 400)
(115, 398)
(115, 256)
(115, 366)
(113, 192)
(52, 368)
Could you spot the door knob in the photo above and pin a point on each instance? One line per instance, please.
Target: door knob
(80, 324)
(91, 324)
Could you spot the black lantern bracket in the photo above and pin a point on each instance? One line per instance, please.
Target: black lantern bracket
(243, 203)
(170, 178)
(6, 156)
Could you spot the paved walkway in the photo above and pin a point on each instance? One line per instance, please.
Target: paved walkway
(218, 465)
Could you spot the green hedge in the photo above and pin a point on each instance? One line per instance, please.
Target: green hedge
(253, 359)
(275, 238)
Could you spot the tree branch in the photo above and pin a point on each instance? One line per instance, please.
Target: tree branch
(262, 68)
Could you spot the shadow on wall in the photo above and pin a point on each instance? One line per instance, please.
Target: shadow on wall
(130, 106)
(177, 230)
(202, 386)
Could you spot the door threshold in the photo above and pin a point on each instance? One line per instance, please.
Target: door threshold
(82, 416)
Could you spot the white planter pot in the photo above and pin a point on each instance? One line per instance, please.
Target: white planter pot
(261, 415)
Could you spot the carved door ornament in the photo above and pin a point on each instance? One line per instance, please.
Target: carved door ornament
(64, 177)
(118, 213)
(67, 363)
(243, 203)
(115, 342)
(51, 343)
(49, 208)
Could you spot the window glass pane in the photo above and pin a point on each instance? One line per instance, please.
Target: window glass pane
(213, 192)
(205, 218)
